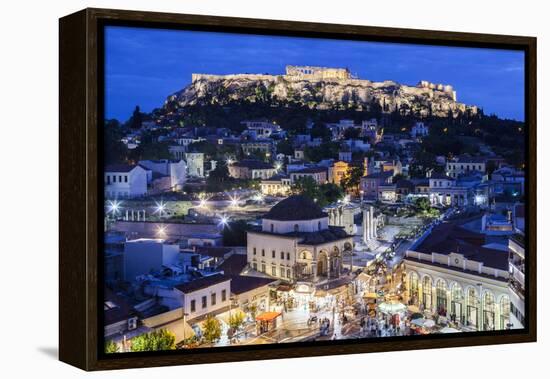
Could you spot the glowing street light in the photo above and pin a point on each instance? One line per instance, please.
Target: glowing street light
(234, 201)
(160, 207)
(278, 166)
(161, 231)
(346, 200)
(113, 206)
(229, 161)
(224, 221)
(258, 197)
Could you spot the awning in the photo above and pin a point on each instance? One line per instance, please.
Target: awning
(268, 316)
(283, 288)
(370, 295)
(392, 308)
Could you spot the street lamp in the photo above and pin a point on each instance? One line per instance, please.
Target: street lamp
(113, 206)
(161, 231)
(234, 201)
(224, 221)
(160, 208)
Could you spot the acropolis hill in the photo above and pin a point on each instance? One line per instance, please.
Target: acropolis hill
(322, 88)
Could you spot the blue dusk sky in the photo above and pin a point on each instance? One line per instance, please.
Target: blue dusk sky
(144, 66)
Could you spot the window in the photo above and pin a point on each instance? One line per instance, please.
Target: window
(213, 299)
(427, 292)
(254, 251)
(282, 255)
(274, 271)
(263, 267)
(272, 227)
(193, 305)
(108, 179)
(255, 266)
(204, 302)
(125, 178)
(263, 253)
(282, 272)
(296, 227)
(287, 256)
(120, 178)
(441, 296)
(114, 178)
(272, 253)
(319, 225)
(224, 295)
(288, 274)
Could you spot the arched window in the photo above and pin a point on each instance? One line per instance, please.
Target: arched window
(272, 228)
(427, 292)
(488, 311)
(296, 227)
(413, 287)
(441, 296)
(319, 225)
(457, 297)
(472, 305)
(504, 312)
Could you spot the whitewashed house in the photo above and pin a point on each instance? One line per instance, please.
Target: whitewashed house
(125, 181)
(206, 295)
(176, 170)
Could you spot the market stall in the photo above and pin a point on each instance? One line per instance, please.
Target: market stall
(267, 321)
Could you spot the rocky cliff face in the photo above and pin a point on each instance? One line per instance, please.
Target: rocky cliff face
(281, 90)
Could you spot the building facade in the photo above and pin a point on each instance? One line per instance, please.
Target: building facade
(124, 181)
(451, 273)
(296, 243)
(251, 169)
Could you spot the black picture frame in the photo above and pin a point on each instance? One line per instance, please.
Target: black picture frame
(81, 186)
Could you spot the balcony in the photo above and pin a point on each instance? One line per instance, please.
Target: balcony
(517, 273)
(517, 288)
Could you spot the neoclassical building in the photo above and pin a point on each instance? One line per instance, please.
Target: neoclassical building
(296, 243)
(451, 272)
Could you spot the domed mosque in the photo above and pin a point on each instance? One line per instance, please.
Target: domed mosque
(296, 243)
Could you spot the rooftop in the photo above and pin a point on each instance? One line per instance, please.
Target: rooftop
(119, 168)
(233, 265)
(241, 284)
(448, 237)
(202, 283)
(294, 208)
(253, 164)
(212, 251)
(310, 170)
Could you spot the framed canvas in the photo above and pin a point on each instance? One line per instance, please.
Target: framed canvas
(239, 189)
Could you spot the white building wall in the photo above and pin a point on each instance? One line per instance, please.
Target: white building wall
(127, 185)
(267, 251)
(217, 289)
